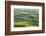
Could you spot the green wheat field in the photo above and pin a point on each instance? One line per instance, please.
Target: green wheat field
(26, 17)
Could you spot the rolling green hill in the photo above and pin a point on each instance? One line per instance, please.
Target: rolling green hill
(26, 18)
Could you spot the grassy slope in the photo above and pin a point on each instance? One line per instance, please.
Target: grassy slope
(26, 24)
